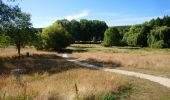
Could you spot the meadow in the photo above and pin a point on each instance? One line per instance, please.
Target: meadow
(48, 76)
(145, 60)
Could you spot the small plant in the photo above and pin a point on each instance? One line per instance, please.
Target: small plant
(123, 92)
(76, 92)
(110, 96)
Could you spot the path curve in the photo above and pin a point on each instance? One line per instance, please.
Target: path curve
(157, 79)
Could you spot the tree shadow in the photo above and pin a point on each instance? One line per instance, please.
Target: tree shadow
(83, 47)
(131, 48)
(108, 64)
(37, 63)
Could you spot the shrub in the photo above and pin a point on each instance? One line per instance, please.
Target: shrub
(54, 37)
(111, 37)
(159, 44)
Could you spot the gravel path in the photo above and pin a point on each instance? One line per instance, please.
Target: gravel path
(157, 79)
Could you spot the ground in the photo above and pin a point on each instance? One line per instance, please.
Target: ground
(50, 77)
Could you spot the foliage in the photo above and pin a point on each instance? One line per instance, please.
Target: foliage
(159, 37)
(54, 37)
(4, 41)
(137, 35)
(122, 29)
(21, 32)
(84, 30)
(165, 21)
(111, 37)
(16, 25)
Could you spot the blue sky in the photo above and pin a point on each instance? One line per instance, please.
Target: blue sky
(113, 12)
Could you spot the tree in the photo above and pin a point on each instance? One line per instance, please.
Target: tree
(21, 32)
(54, 37)
(75, 30)
(85, 33)
(98, 29)
(159, 37)
(7, 14)
(137, 35)
(111, 37)
(16, 26)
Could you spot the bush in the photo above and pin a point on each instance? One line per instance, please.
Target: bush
(111, 37)
(159, 44)
(54, 37)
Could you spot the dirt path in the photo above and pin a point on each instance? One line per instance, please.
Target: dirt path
(157, 79)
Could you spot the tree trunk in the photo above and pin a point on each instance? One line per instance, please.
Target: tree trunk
(19, 49)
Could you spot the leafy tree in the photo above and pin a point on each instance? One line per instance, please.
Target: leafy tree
(84, 30)
(98, 29)
(21, 33)
(75, 30)
(16, 25)
(7, 14)
(54, 37)
(111, 37)
(166, 21)
(85, 33)
(137, 35)
(159, 37)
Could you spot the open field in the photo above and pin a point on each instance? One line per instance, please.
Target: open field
(146, 60)
(50, 77)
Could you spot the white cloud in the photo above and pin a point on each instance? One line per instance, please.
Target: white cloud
(77, 16)
(43, 21)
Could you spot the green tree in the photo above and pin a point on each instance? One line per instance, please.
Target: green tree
(137, 35)
(159, 37)
(98, 29)
(21, 31)
(75, 30)
(111, 37)
(85, 33)
(54, 37)
(15, 26)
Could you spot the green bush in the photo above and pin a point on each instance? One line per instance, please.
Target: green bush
(159, 44)
(54, 37)
(111, 37)
(110, 96)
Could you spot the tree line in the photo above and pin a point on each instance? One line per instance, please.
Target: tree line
(16, 29)
(154, 33)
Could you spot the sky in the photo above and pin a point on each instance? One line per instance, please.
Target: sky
(113, 12)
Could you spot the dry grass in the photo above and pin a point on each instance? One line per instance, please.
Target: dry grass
(49, 77)
(142, 60)
(91, 84)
